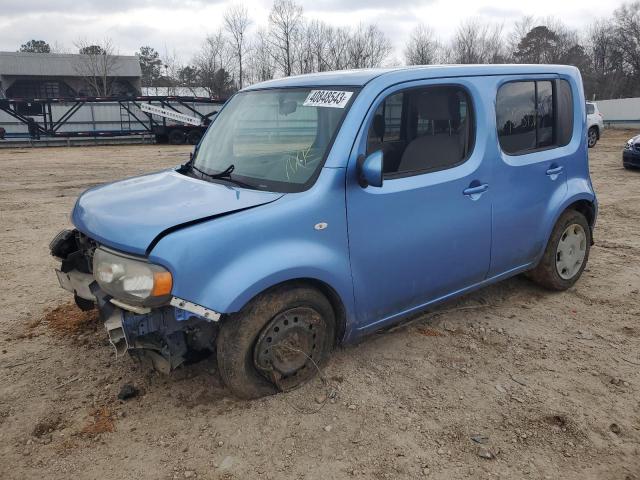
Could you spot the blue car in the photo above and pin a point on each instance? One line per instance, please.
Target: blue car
(317, 209)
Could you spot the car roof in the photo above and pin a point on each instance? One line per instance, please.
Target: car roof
(360, 77)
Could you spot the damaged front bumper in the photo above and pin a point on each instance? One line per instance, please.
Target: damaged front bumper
(167, 336)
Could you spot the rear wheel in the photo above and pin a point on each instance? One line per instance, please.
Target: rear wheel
(566, 254)
(592, 137)
(277, 342)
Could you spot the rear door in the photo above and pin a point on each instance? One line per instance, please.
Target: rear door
(534, 122)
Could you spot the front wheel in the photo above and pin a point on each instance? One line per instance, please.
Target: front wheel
(566, 254)
(277, 342)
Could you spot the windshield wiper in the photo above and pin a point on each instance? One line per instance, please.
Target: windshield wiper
(223, 175)
(226, 173)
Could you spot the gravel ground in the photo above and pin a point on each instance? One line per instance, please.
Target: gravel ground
(508, 382)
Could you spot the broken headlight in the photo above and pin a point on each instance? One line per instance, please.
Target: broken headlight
(130, 279)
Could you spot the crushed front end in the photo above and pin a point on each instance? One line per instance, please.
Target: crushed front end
(134, 299)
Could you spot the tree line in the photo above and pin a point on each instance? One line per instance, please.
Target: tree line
(607, 52)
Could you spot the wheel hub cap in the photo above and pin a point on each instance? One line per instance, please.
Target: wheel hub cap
(289, 345)
(571, 251)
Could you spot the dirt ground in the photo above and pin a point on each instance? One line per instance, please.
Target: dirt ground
(510, 382)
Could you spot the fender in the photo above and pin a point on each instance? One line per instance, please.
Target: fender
(556, 211)
(223, 263)
(257, 275)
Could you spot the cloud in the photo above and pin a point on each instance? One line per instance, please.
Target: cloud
(181, 25)
(355, 5)
(13, 8)
(499, 12)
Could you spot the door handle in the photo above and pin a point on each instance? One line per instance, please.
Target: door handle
(475, 191)
(554, 171)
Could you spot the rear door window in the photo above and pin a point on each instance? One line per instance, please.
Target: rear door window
(516, 113)
(534, 115)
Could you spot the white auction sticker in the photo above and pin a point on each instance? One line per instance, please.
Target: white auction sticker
(327, 98)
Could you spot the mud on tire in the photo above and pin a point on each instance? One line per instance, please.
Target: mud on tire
(546, 272)
(240, 335)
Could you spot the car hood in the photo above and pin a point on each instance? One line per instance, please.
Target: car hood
(131, 214)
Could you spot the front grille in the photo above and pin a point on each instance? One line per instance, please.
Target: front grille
(636, 147)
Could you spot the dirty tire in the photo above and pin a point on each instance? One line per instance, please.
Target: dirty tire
(545, 273)
(240, 332)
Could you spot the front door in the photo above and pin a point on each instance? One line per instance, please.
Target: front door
(426, 233)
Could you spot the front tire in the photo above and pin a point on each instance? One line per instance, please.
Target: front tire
(277, 342)
(566, 254)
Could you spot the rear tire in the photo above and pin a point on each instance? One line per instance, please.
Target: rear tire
(276, 341)
(566, 254)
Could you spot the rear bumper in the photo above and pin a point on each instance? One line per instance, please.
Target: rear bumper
(631, 158)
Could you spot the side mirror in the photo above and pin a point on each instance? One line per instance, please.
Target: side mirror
(370, 169)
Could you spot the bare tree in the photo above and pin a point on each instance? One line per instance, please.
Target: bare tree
(423, 48)
(627, 29)
(476, 42)
(337, 49)
(236, 22)
(285, 21)
(97, 63)
(261, 65)
(170, 71)
(368, 47)
(212, 63)
(319, 38)
(519, 29)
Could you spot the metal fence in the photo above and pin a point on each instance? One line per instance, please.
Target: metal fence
(95, 117)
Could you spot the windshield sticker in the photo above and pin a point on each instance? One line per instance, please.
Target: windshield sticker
(327, 98)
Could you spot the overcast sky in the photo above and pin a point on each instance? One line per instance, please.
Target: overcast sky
(181, 25)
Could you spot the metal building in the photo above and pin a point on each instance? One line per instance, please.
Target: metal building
(54, 75)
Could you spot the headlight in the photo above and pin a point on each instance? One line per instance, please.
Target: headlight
(131, 280)
(629, 144)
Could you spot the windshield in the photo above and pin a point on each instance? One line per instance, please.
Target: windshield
(275, 139)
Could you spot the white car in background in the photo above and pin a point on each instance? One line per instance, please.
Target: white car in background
(595, 124)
